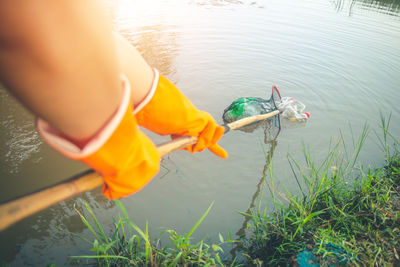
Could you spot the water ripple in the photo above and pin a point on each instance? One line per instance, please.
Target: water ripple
(21, 141)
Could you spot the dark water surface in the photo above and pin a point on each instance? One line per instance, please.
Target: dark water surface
(340, 58)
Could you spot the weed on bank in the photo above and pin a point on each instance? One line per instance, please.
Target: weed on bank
(344, 215)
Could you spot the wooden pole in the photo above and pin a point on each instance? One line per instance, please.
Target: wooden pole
(14, 211)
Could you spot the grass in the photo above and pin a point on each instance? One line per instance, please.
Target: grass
(344, 215)
(128, 245)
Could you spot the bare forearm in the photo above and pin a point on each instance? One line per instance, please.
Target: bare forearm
(59, 59)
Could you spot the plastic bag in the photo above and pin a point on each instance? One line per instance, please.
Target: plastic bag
(293, 109)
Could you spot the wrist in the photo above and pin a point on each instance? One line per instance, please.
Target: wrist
(78, 148)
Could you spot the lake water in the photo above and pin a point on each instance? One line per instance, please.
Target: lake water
(340, 58)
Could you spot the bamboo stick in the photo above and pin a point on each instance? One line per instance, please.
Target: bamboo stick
(14, 211)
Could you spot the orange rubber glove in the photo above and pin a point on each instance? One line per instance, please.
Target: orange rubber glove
(166, 110)
(125, 157)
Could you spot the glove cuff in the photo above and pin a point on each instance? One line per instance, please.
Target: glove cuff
(57, 140)
(150, 94)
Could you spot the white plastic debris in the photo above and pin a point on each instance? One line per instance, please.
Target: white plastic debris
(293, 109)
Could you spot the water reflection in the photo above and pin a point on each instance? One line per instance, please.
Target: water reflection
(220, 3)
(17, 130)
(48, 229)
(217, 2)
(157, 37)
(270, 139)
(157, 44)
(390, 7)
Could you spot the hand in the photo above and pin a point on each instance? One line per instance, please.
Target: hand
(167, 111)
(120, 152)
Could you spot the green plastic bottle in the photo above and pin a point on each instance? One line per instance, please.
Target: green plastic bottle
(245, 107)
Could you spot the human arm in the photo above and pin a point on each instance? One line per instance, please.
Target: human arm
(65, 67)
(59, 59)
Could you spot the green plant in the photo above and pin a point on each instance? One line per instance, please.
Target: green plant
(341, 206)
(344, 215)
(124, 248)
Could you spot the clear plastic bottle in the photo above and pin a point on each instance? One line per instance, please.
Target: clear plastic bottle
(293, 110)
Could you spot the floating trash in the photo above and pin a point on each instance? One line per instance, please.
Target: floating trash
(293, 110)
(289, 107)
(251, 106)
